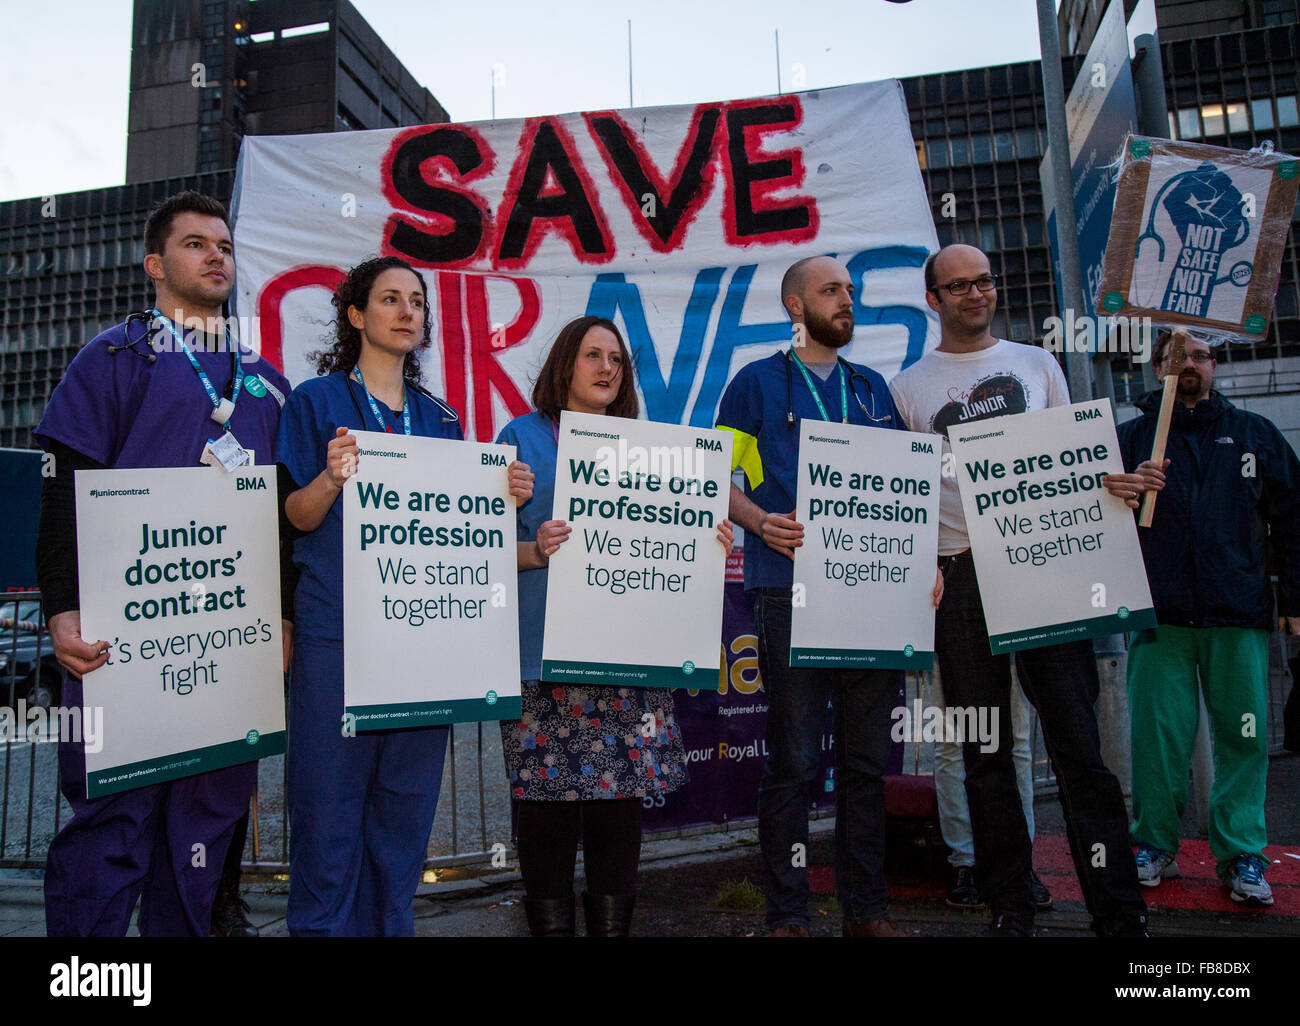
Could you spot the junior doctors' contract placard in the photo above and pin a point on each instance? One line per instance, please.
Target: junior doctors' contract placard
(869, 503)
(179, 571)
(430, 609)
(634, 595)
(1057, 556)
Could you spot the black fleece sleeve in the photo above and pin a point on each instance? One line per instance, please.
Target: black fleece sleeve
(56, 538)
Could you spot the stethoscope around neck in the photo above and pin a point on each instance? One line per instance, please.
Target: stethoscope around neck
(853, 388)
(223, 405)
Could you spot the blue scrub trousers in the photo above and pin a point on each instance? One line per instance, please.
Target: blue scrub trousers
(139, 845)
(360, 808)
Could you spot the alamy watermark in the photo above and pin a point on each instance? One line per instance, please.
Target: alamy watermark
(1085, 333)
(954, 724)
(635, 465)
(61, 723)
(223, 334)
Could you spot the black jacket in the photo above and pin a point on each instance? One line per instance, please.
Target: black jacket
(1232, 479)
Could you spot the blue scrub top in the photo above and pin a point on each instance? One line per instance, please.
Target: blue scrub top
(123, 411)
(534, 435)
(755, 409)
(314, 410)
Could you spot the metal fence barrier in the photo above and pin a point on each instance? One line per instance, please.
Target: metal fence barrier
(474, 809)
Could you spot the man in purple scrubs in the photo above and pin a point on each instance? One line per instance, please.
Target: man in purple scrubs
(147, 393)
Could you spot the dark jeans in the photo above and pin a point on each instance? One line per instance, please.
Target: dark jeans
(796, 718)
(1061, 683)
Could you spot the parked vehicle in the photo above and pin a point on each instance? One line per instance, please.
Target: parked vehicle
(26, 656)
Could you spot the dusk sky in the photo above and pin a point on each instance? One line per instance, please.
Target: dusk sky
(64, 67)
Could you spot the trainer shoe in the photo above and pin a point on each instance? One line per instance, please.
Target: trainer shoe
(1154, 865)
(1246, 881)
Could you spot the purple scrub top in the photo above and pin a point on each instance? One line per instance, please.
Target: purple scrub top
(125, 412)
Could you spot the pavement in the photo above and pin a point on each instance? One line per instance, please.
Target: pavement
(681, 879)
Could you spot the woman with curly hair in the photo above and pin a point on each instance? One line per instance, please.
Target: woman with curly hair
(579, 759)
(360, 806)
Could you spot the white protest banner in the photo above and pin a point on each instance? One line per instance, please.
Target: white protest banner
(635, 595)
(675, 222)
(1057, 556)
(430, 576)
(869, 502)
(179, 570)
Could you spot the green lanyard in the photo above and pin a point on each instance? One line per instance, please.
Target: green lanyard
(844, 390)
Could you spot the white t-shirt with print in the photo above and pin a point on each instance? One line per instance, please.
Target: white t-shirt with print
(943, 389)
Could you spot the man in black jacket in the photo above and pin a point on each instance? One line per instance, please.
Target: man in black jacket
(1228, 480)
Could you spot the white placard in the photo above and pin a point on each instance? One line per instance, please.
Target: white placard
(430, 582)
(1197, 251)
(634, 596)
(179, 570)
(868, 500)
(1057, 556)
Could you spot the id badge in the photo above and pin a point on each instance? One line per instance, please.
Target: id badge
(226, 452)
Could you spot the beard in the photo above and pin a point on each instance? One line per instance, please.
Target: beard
(827, 331)
(1190, 384)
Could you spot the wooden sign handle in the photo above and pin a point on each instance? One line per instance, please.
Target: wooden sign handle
(1177, 356)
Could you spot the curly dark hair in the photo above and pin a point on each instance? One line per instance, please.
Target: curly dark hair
(551, 391)
(354, 290)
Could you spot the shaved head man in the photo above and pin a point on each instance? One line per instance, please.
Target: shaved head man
(974, 376)
(762, 407)
(818, 295)
(965, 317)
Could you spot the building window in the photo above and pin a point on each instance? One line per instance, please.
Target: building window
(304, 30)
(937, 150)
(1189, 123)
(1212, 118)
(1277, 12)
(1261, 113)
(1237, 120)
(1173, 125)
(1286, 112)
(920, 155)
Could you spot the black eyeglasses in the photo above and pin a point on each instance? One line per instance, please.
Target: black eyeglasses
(985, 283)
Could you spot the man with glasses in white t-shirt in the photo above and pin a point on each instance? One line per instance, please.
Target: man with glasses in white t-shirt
(974, 376)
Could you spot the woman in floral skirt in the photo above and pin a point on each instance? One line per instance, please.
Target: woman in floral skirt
(581, 759)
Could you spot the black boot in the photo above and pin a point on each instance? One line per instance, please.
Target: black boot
(230, 912)
(608, 915)
(550, 917)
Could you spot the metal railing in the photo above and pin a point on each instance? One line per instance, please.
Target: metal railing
(31, 808)
(474, 809)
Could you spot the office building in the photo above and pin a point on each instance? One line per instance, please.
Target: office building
(204, 73)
